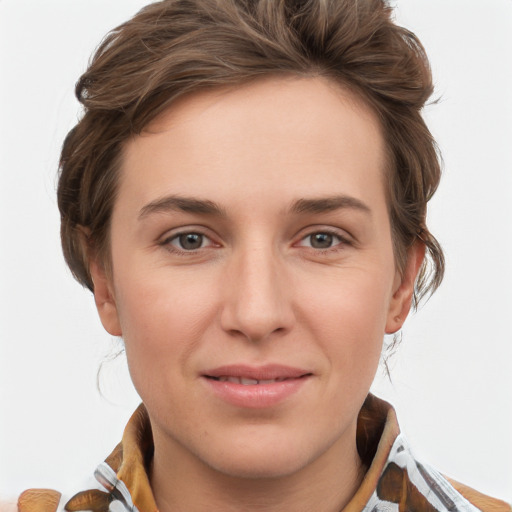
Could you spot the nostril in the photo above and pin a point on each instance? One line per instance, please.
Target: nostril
(255, 311)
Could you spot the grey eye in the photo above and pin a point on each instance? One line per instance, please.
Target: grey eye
(190, 241)
(321, 240)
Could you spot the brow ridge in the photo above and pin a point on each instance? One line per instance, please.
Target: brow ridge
(329, 204)
(207, 207)
(181, 203)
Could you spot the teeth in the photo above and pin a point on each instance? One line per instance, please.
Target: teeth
(248, 382)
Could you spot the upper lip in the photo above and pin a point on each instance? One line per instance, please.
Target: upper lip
(265, 372)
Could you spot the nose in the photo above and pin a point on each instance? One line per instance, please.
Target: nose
(257, 296)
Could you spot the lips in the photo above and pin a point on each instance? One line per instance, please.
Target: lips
(255, 387)
(273, 372)
(246, 381)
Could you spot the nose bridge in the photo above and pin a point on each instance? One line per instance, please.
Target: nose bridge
(255, 302)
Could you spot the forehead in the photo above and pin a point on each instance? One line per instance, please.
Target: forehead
(274, 135)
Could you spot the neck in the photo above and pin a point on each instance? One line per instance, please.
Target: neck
(183, 483)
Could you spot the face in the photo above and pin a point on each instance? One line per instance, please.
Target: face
(253, 273)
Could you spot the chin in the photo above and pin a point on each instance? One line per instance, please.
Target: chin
(272, 458)
(262, 466)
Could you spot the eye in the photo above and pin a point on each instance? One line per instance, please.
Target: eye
(322, 240)
(188, 241)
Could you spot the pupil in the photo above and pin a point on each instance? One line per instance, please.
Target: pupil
(321, 240)
(191, 241)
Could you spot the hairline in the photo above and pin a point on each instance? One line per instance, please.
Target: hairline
(356, 95)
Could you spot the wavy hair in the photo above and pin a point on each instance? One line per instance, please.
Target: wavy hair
(177, 47)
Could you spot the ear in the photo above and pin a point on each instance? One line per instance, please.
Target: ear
(105, 298)
(401, 300)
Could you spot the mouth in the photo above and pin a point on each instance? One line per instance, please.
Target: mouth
(247, 381)
(256, 387)
(253, 375)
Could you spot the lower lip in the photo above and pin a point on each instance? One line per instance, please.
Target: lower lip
(256, 396)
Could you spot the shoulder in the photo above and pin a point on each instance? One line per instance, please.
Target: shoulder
(405, 480)
(39, 500)
(481, 501)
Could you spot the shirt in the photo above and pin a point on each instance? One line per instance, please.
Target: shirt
(394, 481)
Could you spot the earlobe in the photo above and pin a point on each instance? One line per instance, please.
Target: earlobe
(105, 299)
(401, 300)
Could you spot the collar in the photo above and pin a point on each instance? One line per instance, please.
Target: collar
(394, 479)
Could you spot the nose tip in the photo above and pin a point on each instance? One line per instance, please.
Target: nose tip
(256, 305)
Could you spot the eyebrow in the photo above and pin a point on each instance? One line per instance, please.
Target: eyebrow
(207, 207)
(181, 203)
(329, 204)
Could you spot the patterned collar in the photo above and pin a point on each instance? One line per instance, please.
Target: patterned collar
(395, 481)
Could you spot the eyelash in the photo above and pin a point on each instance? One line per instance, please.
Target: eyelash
(342, 241)
(168, 242)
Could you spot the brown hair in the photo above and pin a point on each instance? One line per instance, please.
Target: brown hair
(175, 47)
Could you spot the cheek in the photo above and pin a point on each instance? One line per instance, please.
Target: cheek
(349, 317)
(163, 316)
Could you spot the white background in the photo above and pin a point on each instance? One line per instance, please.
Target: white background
(452, 378)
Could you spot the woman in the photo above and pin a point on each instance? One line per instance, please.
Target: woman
(246, 197)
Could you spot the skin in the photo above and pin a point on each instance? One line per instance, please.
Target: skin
(257, 290)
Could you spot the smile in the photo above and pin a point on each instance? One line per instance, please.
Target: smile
(246, 381)
(259, 387)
